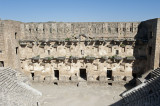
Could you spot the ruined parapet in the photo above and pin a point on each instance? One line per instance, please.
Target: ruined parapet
(91, 29)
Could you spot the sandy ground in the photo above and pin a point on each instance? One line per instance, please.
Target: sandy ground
(54, 95)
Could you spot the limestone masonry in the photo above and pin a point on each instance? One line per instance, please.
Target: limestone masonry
(107, 52)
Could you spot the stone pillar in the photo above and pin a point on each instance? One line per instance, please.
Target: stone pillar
(157, 46)
(154, 61)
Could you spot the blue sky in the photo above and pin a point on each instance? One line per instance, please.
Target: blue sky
(79, 10)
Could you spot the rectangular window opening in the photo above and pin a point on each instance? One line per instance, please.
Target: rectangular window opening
(117, 30)
(32, 75)
(30, 30)
(124, 29)
(16, 50)
(151, 35)
(110, 84)
(117, 52)
(15, 35)
(82, 52)
(48, 52)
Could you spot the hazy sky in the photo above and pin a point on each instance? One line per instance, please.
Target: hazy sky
(79, 10)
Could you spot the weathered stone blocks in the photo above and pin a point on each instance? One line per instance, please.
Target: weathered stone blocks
(74, 78)
(128, 78)
(82, 84)
(102, 78)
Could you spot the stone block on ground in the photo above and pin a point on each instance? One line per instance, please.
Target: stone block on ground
(82, 84)
(102, 78)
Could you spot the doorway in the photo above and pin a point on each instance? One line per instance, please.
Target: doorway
(109, 74)
(56, 73)
(83, 74)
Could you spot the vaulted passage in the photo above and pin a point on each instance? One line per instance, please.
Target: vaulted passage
(1, 64)
(83, 74)
(56, 73)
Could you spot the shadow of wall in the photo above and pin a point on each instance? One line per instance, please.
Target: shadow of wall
(144, 49)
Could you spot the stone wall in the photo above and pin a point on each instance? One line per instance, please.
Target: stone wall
(64, 30)
(70, 56)
(149, 35)
(39, 49)
(11, 33)
(2, 46)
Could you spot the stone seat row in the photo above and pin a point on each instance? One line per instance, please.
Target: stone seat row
(149, 87)
(156, 72)
(150, 100)
(17, 91)
(8, 71)
(10, 86)
(152, 83)
(19, 96)
(147, 90)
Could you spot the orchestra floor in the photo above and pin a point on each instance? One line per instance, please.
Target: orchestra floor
(69, 95)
